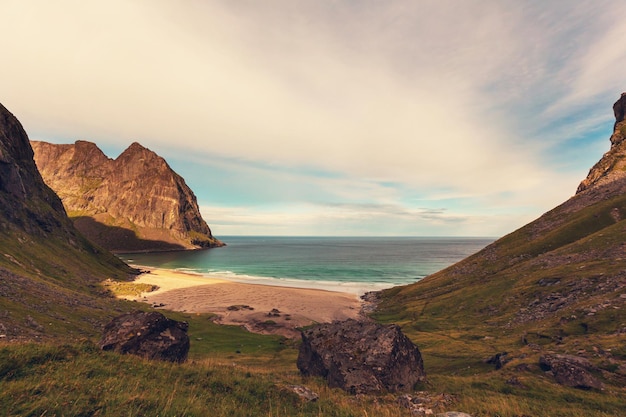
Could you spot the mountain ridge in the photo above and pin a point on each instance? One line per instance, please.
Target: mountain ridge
(134, 202)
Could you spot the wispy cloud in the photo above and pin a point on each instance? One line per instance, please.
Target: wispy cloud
(396, 105)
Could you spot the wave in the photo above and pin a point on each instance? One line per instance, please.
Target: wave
(357, 288)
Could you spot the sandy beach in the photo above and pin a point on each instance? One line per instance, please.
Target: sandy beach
(259, 308)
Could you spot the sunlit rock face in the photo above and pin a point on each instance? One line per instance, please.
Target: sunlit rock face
(135, 202)
(612, 166)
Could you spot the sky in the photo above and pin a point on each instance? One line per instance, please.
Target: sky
(313, 117)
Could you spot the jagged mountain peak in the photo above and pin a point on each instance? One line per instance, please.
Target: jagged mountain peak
(135, 202)
(139, 160)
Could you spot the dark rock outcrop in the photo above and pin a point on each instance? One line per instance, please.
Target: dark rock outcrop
(149, 335)
(612, 165)
(498, 360)
(26, 203)
(48, 270)
(571, 371)
(361, 357)
(133, 203)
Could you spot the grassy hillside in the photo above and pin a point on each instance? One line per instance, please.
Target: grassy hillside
(51, 288)
(230, 372)
(557, 285)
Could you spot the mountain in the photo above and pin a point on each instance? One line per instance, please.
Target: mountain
(612, 166)
(49, 273)
(556, 285)
(135, 202)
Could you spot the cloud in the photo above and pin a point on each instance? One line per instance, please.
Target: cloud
(349, 220)
(385, 103)
(290, 96)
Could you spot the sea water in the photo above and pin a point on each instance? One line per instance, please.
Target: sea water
(350, 264)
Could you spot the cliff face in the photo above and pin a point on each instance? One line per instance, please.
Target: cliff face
(26, 203)
(612, 165)
(49, 273)
(133, 203)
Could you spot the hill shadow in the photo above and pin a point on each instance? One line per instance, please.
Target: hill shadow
(119, 239)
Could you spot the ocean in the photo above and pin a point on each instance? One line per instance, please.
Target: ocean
(349, 264)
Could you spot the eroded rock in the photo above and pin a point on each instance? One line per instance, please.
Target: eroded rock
(571, 371)
(149, 335)
(361, 357)
(135, 202)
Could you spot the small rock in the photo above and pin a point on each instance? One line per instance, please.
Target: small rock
(499, 360)
(416, 405)
(238, 307)
(514, 381)
(304, 393)
(31, 322)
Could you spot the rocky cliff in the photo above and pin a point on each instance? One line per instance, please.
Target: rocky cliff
(26, 203)
(612, 165)
(49, 273)
(135, 202)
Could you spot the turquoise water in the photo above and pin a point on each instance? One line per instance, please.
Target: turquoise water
(354, 264)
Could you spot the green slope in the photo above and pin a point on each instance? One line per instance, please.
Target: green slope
(557, 285)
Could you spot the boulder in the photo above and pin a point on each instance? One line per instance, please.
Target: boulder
(571, 371)
(361, 357)
(149, 335)
(498, 360)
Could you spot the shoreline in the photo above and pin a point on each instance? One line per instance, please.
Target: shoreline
(355, 288)
(260, 308)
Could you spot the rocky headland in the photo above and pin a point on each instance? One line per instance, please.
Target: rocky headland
(135, 202)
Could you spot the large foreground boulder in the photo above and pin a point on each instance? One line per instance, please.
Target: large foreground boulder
(571, 371)
(149, 335)
(361, 357)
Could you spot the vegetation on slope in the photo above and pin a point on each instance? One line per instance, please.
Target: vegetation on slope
(230, 373)
(557, 285)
